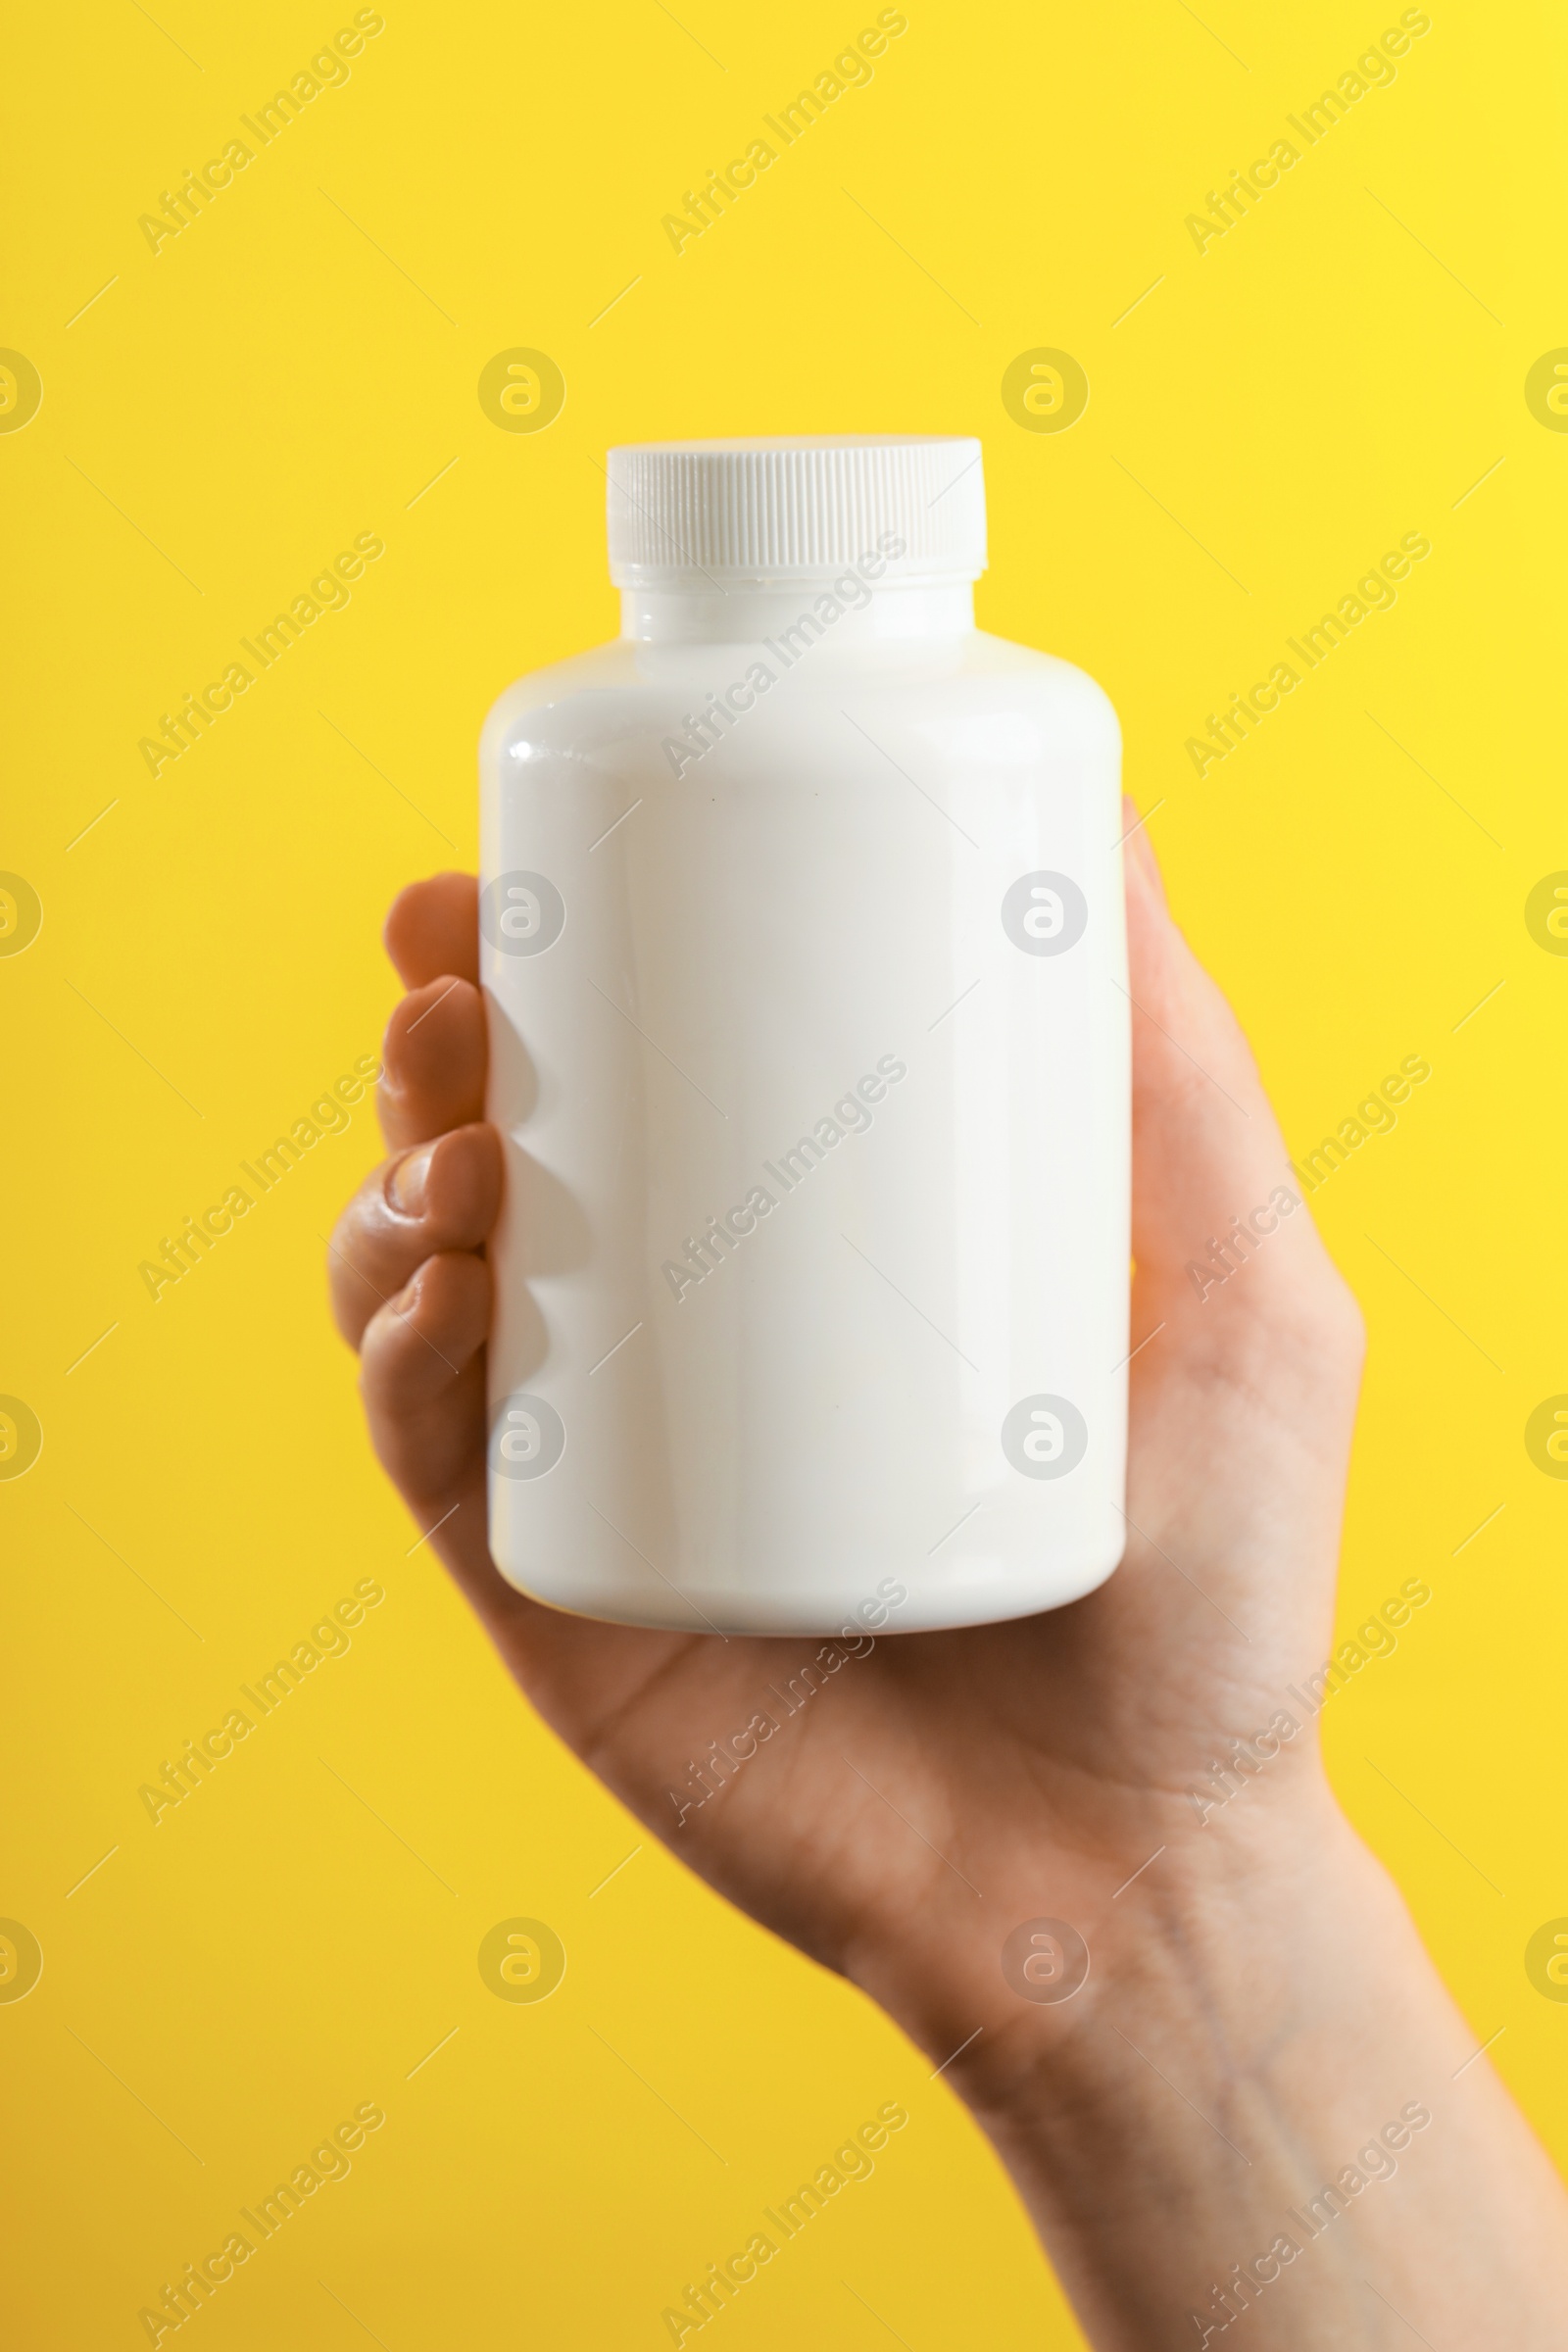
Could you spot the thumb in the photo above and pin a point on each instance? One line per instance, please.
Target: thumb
(1218, 1213)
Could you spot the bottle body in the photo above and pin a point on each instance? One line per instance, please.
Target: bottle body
(804, 971)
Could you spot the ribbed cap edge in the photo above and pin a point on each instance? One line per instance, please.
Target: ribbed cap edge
(683, 513)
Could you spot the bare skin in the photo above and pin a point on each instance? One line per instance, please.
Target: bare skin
(1258, 2006)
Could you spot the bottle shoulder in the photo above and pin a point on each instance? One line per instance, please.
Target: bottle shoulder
(597, 670)
(1004, 658)
(943, 682)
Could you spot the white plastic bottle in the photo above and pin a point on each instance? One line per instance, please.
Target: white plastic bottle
(803, 946)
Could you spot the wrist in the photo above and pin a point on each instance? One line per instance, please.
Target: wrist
(1221, 1945)
(1182, 1925)
(1258, 2028)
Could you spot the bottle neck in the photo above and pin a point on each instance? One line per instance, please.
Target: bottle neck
(746, 615)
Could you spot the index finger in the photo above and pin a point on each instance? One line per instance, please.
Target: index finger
(433, 929)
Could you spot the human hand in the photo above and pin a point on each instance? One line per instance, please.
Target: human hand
(941, 1787)
(1254, 1978)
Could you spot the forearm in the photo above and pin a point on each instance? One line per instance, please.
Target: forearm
(1225, 2126)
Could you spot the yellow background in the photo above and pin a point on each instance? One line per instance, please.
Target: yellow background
(293, 369)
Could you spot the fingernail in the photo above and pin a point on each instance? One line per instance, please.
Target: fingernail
(407, 1183)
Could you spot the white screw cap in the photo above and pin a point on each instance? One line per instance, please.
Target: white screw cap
(694, 514)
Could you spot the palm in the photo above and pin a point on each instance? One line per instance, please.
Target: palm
(943, 1787)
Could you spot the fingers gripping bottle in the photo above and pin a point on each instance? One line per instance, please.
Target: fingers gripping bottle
(802, 941)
